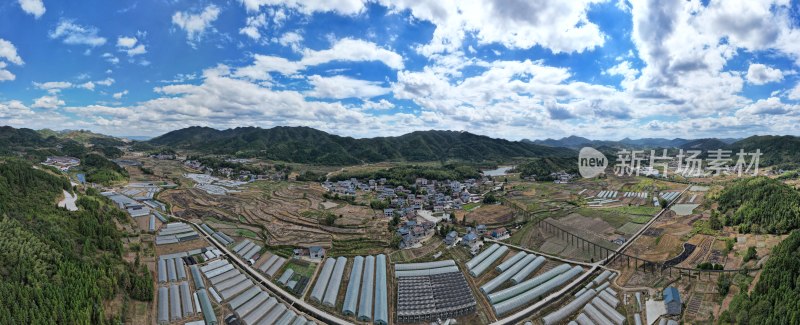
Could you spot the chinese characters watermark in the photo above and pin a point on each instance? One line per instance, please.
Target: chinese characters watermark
(687, 163)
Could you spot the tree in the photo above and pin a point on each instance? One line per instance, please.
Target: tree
(378, 204)
(396, 240)
(330, 219)
(714, 221)
(750, 254)
(394, 222)
(729, 244)
(723, 284)
(489, 199)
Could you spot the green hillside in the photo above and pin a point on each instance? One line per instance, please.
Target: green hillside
(57, 266)
(94, 154)
(781, 151)
(307, 145)
(760, 205)
(776, 297)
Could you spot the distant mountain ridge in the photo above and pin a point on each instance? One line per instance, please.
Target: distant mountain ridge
(576, 142)
(308, 145)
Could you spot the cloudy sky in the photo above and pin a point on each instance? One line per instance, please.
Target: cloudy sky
(504, 68)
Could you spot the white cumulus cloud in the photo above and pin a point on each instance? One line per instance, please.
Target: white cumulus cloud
(49, 102)
(346, 50)
(339, 87)
(33, 7)
(759, 74)
(342, 7)
(74, 34)
(196, 24)
(252, 26)
(119, 95)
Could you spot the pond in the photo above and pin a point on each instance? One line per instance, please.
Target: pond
(499, 171)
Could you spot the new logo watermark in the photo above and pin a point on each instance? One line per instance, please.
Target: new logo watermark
(591, 163)
(689, 163)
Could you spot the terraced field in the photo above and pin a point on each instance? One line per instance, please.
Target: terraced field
(282, 214)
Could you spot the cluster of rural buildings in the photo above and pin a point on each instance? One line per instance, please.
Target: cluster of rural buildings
(62, 163)
(470, 239)
(137, 199)
(437, 196)
(230, 173)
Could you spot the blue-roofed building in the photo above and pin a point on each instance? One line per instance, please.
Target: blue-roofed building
(469, 239)
(81, 178)
(451, 238)
(672, 301)
(316, 252)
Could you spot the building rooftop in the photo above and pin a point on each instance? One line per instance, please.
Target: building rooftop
(671, 294)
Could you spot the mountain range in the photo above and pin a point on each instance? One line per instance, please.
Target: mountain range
(576, 142)
(307, 145)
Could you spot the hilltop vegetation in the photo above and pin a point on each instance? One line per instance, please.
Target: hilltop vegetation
(760, 205)
(58, 266)
(307, 145)
(407, 175)
(101, 170)
(541, 168)
(776, 297)
(781, 151)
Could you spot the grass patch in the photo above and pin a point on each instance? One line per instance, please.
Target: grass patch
(614, 218)
(246, 233)
(471, 206)
(702, 227)
(356, 247)
(630, 228)
(517, 236)
(638, 210)
(301, 268)
(215, 220)
(282, 250)
(641, 219)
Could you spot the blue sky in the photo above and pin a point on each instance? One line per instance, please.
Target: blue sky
(504, 68)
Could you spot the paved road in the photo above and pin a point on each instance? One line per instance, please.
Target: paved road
(272, 287)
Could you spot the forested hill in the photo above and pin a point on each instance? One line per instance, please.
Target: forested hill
(21, 140)
(307, 145)
(760, 205)
(776, 297)
(92, 149)
(779, 151)
(57, 266)
(782, 151)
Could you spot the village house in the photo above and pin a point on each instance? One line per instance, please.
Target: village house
(469, 239)
(316, 252)
(451, 238)
(672, 301)
(499, 232)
